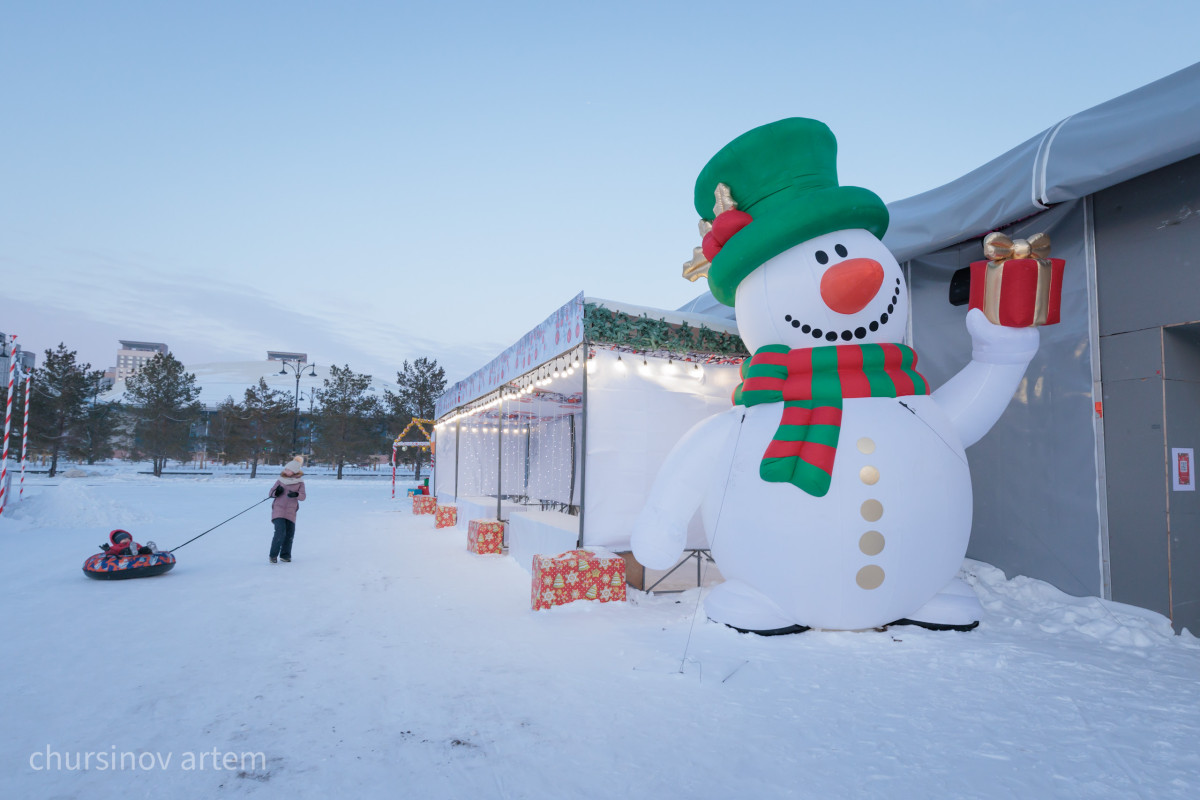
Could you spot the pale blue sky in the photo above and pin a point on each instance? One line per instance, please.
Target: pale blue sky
(372, 181)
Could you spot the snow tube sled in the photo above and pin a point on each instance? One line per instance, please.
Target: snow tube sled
(104, 567)
(125, 558)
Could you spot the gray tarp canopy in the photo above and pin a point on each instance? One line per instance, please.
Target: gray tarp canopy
(1127, 136)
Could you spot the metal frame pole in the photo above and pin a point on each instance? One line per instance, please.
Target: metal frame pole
(583, 412)
(499, 454)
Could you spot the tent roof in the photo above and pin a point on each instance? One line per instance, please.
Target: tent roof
(557, 334)
(1138, 132)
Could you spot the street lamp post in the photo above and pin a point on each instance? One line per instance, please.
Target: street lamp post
(311, 395)
(298, 367)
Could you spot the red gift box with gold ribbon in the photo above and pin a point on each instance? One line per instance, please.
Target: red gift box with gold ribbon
(1019, 285)
(445, 517)
(485, 536)
(577, 575)
(424, 504)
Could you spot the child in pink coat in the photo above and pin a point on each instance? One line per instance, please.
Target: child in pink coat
(288, 491)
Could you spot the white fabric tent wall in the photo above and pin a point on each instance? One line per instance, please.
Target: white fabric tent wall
(626, 420)
(635, 415)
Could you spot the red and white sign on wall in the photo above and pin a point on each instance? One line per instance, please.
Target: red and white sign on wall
(1183, 469)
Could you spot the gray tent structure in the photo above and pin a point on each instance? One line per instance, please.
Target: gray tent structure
(1079, 483)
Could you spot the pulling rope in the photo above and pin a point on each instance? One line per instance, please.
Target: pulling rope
(219, 524)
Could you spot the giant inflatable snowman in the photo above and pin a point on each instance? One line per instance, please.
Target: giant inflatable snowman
(835, 492)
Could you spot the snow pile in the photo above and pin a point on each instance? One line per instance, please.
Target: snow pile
(75, 504)
(1025, 600)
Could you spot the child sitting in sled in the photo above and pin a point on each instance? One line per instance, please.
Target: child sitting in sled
(121, 543)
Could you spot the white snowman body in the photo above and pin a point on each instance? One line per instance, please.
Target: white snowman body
(890, 533)
(892, 530)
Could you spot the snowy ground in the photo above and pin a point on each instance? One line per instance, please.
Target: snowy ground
(386, 661)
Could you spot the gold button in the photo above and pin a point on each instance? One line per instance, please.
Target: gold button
(871, 510)
(871, 543)
(866, 446)
(870, 576)
(869, 475)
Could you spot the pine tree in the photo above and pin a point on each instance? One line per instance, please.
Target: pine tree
(95, 432)
(62, 390)
(163, 399)
(347, 422)
(421, 384)
(222, 439)
(266, 430)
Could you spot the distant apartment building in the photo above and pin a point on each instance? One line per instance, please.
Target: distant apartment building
(133, 355)
(26, 359)
(279, 355)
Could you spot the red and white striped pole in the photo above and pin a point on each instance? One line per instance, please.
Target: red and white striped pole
(13, 355)
(393, 470)
(25, 435)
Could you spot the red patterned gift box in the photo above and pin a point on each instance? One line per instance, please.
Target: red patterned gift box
(577, 575)
(485, 536)
(445, 517)
(424, 504)
(1019, 286)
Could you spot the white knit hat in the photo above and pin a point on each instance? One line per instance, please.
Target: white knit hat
(295, 466)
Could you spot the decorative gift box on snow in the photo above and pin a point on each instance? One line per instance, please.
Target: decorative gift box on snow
(1019, 286)
(445, 517)
(485, 536)
(424, 504)
(577, 575)
(412, 490)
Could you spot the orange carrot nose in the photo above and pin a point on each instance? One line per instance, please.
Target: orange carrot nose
(848, 287)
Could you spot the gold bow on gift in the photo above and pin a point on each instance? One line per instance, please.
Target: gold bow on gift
(998, 249)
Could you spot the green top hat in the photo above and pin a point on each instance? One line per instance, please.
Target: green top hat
(784, 175)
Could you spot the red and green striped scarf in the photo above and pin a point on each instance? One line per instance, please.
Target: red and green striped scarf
(811, 383)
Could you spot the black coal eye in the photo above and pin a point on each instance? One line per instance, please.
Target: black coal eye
(822, 257)
(840, 250)
(788, 318)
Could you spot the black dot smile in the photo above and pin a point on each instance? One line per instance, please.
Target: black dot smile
(848, 335)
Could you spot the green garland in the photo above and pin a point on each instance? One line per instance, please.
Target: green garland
(604, 326)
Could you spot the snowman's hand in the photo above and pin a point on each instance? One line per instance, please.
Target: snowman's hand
(997, 344)
(658, 538)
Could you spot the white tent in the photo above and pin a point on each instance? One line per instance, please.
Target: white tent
(562, 434)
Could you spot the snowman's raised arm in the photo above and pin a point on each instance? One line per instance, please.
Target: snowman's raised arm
(977, 396)
(660, 530)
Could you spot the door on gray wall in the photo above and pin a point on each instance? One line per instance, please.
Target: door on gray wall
(1152, 406)
(1181, 384)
